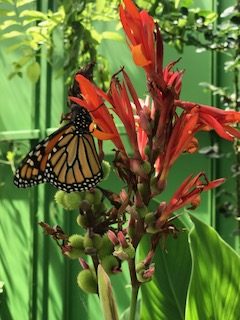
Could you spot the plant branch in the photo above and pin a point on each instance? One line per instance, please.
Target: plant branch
(135, 288)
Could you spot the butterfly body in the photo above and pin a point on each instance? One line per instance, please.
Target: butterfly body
(67, 158)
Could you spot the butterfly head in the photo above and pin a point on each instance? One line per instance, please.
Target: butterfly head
(81, 118)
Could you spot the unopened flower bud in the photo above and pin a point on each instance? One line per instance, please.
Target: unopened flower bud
(87, 281)
(112, 237)
(122, 240)
(123, 195)
(138, 168)
(110, 264)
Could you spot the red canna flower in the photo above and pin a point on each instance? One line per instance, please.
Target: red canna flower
(211, 118)
(188, 193)
(92, 100)
(139, 28)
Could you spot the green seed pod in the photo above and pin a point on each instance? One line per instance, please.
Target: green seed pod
(88, 242)
(106, 248)
(72, 200)
(106, 169)
(89, 197)
(82, 221)
(75, 253)
(59, 198)
(97, 241)
(109, 263)
(76, 241)
(97, 196)
(87, 281)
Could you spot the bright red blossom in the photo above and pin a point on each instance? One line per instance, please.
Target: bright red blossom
(188, 193)
(92, 100)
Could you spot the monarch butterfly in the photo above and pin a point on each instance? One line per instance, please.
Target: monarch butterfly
(67, 158)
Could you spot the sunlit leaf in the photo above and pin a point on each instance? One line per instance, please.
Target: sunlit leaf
(100, 4)
(214, 291)
(165, 296)
(8, 23)
(20, 3)
(38, 15)
(227, 12)
(12, 34)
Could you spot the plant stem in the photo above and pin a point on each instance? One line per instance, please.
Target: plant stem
(135, 287)
(133, 304)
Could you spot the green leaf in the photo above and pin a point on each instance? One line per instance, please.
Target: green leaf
(106, 297)
(33, 14)
(33, 71)
(227, 12)
(111, 36)
(12, 34)
(125, 314)
(214, 291)
(100, 5)
(165, 296)
(210, 16)
(183, 3)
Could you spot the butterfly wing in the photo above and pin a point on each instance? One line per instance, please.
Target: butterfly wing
(73, 164)
(65, 159)
(32, 169)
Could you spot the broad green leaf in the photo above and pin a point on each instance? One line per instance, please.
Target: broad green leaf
(33, 71)
(106, 297)
(214, 291)
(165, 296)
(125, 314)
